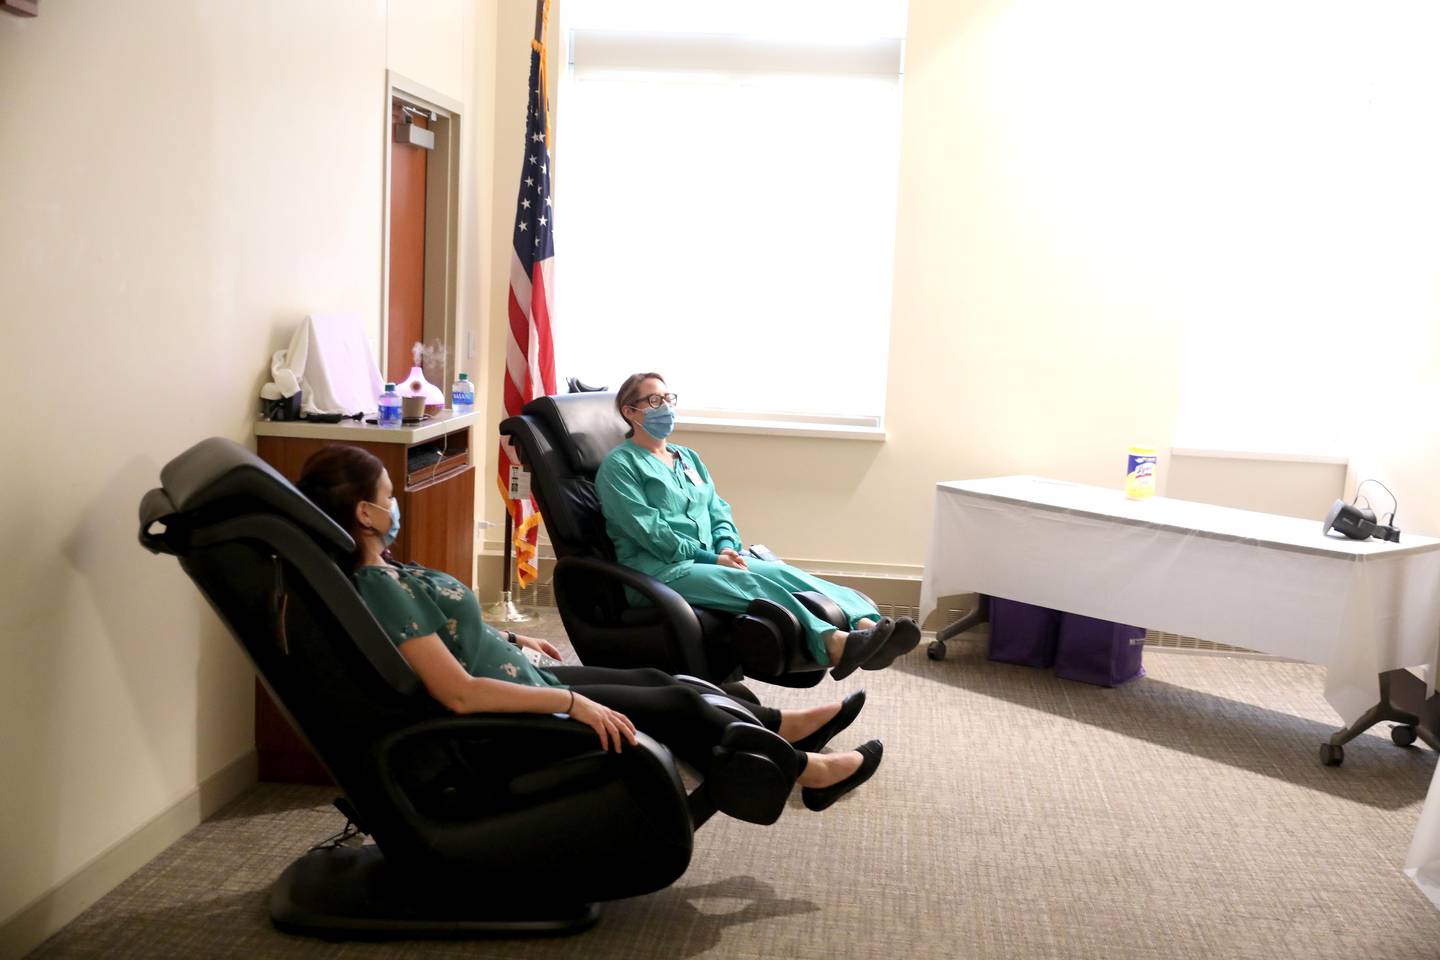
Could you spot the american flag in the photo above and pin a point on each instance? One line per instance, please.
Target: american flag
(530, 354)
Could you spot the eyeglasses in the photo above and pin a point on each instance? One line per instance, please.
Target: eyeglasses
(655, 399)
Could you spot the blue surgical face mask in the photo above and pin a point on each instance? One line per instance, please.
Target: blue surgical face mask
(660, 421)
(394, 531)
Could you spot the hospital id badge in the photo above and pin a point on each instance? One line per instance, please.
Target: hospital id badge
(693, 474)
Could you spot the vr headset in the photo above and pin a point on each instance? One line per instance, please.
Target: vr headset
(1359, 523)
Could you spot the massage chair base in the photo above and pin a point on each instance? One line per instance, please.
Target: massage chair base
(351, 893)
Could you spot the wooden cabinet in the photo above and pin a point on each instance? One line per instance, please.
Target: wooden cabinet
(434, 478)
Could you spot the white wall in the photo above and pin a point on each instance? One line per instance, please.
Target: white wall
(181, 182)
(431, 41)
(1079, 185)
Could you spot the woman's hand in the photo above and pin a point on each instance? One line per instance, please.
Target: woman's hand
(612, 725)
(540, 646)
(729, 558)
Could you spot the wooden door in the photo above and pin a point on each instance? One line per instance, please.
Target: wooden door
(407, 248)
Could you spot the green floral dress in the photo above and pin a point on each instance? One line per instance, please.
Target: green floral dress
(412, 601)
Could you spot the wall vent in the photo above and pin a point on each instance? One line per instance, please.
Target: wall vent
(536, 595)
(1173, 641)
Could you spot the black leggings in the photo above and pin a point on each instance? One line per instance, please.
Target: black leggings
(666, 709)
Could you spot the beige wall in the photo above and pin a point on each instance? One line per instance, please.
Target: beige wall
(181, 182)
(1291, 488)
(1077, 182)
(431, 42)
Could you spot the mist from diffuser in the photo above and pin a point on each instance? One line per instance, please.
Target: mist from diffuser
(415, 384)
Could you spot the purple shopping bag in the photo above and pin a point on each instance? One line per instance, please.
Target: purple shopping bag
(1098, 651)
(1023, 633)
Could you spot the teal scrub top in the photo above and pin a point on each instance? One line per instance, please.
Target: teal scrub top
(662, 519)
(410, 601)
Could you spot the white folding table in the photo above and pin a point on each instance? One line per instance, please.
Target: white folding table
(1361, 609)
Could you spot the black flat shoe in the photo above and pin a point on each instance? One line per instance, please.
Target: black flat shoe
(850, 708)
(860, 646)
(818, 798)
(904, 638)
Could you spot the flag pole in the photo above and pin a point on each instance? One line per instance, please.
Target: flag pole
(505, 611)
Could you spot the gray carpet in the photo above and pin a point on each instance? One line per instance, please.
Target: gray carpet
(1016, 815)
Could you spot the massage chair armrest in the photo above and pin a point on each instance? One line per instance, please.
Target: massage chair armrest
(717, 697)
(683, 646)
(513, 758)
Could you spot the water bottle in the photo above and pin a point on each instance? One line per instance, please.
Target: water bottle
(390, 415)
(462, 395)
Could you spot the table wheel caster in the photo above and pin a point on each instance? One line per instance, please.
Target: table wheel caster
(1332, 755)
(936, 650)
(1402, 736)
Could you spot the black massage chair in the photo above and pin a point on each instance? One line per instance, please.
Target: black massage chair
(562, 441)
(487, 824)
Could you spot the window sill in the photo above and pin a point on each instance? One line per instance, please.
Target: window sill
(1325, 458)
(774, 428)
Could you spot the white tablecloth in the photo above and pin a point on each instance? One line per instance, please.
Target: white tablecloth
(1264, 582)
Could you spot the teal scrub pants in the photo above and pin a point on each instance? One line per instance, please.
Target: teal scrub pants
(722, 588)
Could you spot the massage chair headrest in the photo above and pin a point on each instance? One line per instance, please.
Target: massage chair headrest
(583, 426)
(218, 478)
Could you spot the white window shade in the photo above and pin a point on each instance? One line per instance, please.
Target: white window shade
(595, 52)
(726, 209)
(815, 21)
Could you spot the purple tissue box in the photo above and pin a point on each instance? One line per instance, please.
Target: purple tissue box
(1023, 633)
(1098, 651)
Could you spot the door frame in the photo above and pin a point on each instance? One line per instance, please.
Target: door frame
(442, 221)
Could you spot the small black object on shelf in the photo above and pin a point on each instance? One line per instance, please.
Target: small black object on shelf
(286, 408)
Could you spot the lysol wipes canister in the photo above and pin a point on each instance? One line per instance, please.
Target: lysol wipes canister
(1140, 473)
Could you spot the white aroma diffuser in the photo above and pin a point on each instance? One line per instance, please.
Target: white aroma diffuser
(415, 384)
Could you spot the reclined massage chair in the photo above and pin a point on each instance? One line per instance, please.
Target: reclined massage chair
(485, 824)
(562, 440)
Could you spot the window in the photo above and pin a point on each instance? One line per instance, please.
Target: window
(725, 191)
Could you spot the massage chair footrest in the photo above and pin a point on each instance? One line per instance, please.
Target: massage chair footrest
(352, 893)
(751, 774)
(769, 643)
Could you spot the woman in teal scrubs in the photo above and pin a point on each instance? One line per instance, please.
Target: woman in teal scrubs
(666, 520)
(470, 667)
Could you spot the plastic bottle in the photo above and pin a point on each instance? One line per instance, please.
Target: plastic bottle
(390, 414)
(1140, 473)
(462, 395)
